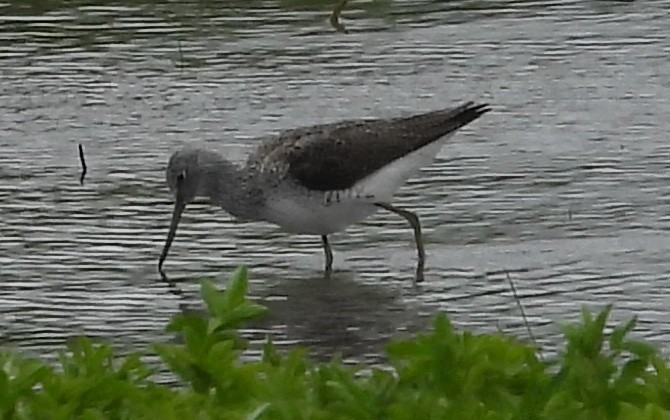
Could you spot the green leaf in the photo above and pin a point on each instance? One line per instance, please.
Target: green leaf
(214, 299)
(259, 412)
(633, 370)
(601, 319)
(642, 350)
(620, 332)
(237, 288)
(270, 354)
(242, 314)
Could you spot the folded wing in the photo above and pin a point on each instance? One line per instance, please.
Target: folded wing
(335, 156)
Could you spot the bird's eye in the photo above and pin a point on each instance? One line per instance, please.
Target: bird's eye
(181, 176)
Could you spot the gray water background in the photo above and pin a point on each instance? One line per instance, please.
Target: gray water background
(564, 184)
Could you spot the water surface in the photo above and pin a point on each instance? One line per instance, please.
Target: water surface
(564, 184)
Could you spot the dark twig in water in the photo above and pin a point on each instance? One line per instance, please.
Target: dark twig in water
(83, 164)
(523, 312)
(335, 17)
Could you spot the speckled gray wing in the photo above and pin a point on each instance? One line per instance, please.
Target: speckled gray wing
(336, 156)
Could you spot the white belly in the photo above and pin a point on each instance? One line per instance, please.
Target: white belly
(316, 215)
(303, 215)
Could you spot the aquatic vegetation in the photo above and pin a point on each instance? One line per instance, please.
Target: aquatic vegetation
(443, 373)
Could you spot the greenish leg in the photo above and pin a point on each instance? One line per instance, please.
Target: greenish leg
(413, 220)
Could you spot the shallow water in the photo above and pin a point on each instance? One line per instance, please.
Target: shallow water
(564, 184)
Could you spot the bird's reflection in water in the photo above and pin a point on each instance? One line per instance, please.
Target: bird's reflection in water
(337, 316)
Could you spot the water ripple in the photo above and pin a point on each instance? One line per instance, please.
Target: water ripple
(563, 186)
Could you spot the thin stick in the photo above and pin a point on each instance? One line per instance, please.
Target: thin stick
(523, 312)
(335, 17)
(83, 164)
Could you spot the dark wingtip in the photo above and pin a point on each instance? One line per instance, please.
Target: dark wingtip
(479, 109)
(469, 112)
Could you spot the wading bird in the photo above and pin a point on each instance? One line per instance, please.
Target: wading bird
(319, 179)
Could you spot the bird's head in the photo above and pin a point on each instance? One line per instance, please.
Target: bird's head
(183, 178)
(183, 175)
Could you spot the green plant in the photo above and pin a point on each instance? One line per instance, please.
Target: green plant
(440, 374)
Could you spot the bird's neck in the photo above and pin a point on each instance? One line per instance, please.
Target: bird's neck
(228, 185)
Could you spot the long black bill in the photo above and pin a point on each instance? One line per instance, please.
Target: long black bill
(179, 207)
